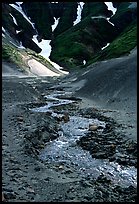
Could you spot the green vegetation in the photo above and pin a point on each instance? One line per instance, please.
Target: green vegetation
(82, 41)
(122, 45)
(10, 54)
(124, 16)
(95, 9)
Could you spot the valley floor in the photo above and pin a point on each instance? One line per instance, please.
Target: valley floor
(26, 177)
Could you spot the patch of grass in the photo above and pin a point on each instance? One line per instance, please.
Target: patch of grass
(122, 45)
(124, 16)
(10, 54)
(81, 41)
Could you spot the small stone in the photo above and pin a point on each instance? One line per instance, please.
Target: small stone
(68, 171)
(66, 117)
(20, 119)
(93, 127)
(3, 198)
(61, 167)
(30, 190)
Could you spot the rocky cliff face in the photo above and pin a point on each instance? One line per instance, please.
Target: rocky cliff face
(71, 44)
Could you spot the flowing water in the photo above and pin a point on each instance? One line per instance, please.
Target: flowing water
(65, 150)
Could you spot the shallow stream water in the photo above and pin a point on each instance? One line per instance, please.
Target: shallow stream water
(64, 149)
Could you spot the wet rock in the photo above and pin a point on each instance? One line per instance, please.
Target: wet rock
(20, 118)
(93, 127)
(66, 117)
(61, 167)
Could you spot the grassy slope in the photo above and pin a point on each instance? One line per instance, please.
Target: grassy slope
(122, 45)
(82, 41)
(12, 54)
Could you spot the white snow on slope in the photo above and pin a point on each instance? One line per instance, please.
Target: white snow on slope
(14, 20)
(93, 17)
(44, 44)
(3, 30)
(105, 46)
(46, 50)
(84, 62)
(110, 7)
(55, 24)
(19, 8)
(79, 11)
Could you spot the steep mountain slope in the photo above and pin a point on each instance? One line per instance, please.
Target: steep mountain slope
(73, 45)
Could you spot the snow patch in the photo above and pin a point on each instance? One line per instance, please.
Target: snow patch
(14, 19)
(108, 19)
(110, 7)
(20, 46)
(84, 62)
(79, 12)
(18, 3)
(44, 45)
(55, 24)
(18, 31)
(94, 17)
(3, 30)
(19, 8)
(46, 50)
(105, 46)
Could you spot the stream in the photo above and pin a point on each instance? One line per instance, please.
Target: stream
(64, 149)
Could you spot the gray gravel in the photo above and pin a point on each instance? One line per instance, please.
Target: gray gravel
(24, 176)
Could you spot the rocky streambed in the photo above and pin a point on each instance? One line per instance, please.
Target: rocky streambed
(64, 153)
(102, 155)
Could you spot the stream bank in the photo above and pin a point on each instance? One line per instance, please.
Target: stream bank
(50, 155)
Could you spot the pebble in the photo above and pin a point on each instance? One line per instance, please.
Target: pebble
(93, 127)
(61, 167)
(37, 168)
(30, 190)
(3, 198)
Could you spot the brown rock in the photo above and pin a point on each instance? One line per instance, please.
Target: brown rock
(93, 127)
(20, 118)
(3, 199)
(66, 117)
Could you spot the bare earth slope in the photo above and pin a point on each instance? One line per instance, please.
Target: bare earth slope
(111, 84)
